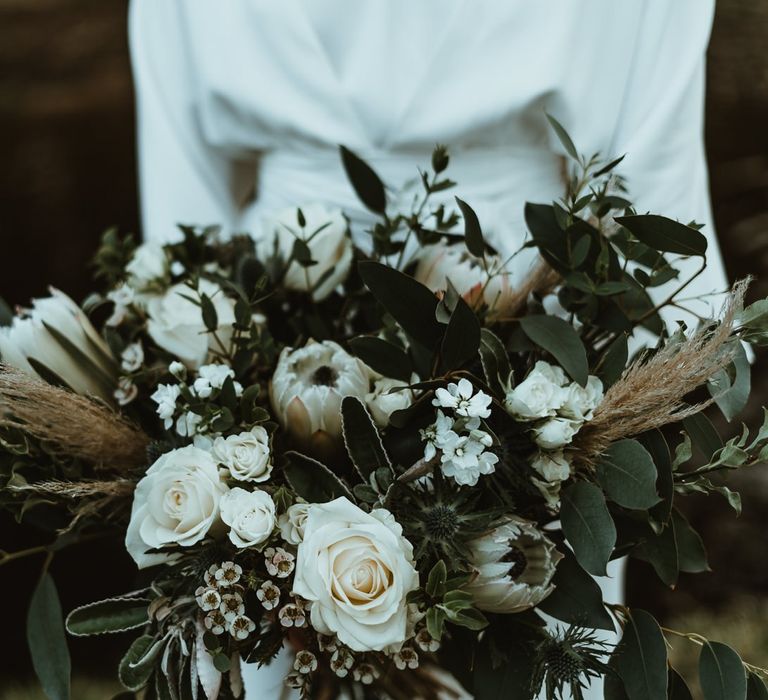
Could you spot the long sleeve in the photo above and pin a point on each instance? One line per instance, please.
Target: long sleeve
(182, 178)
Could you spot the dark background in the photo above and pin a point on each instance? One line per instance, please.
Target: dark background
(68, 172)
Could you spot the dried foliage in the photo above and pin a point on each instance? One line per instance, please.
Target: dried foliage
(541, 279)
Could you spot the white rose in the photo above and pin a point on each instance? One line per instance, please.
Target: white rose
(382, 402)
(292, 523)
(555, 433)
(148, 264)
(309, 384)
(326, 235)
(581, 401)
(245, 455)
(250, 516)
(175, 503)
(356, 569)
(441, 262)
(539, 395)
(176, 323)
(56, 334)
(552, 466)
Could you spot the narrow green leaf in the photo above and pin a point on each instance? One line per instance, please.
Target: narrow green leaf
(365, 181)
(462, 337)
(138, 663)
(565, 139)
(664, 234)
(111, 615)
(312, 480)
(691, 554)
(382, 356)
(210, 316)
(756, 689)
(473, 234)
(47, 640)
(721, 673)
(614, 361)
(560, 340)
(588, 526)
(628, 475)
(642, 658)
(362, 439)
(677, 687)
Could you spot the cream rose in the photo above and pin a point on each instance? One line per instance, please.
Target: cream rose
(292, 523)
(555, 433)
(325, 232)
(250, 516)
(175, 503)
(176, 323)
(245, 455)
(539, 395)
(581, 401)
(356, 569)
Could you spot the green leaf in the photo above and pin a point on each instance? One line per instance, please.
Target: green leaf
(565, 139)
(657, 447)
(362, 439)
(703, 434)
(641, 660)
(436, 580)
(588, 526)
(210, 317)
(470, 618)
(462, 337)
(495, 361)
(677, 687)
(111, 615)
(560, 340)
(509, 681)
(660, 551)
(473, 234)
(614, 361)
(756, 689)
(628, 475)
(382, 356)
(47, 641)
(664, 234)
(691, 554)
(731, 396)
(312, 480)
(139, 662)
(435, 622)
(410, 303)
(721, 673)
(577, 597)
(365, 181)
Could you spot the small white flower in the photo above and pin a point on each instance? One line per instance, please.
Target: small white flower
(122, 297)
(132, 357)
(464, 459)
(126, 391)
(341, 661)
(438, 434)
(228, 574)
(269, 595)
(211, 377)
(292, 523)
(406, 658)
(292, 615)
(215, 623)
(426, 642)
(178, 370)
(241, 626)
(208, 598)
(231, 606)
(188, 423)
(177, 268)
(540, 395)
(279, 562)
(210, 576)
(327, 642)
(552, 466)
(459, 397)
(555, 433)
(365, 673)
(305, 662)
(165, 397)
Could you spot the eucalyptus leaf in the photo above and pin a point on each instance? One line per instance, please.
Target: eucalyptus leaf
(641, 660)
(111, 615)
(312, 480)
(560, 340)
(473, 234)
(588, 526)
(382, 356)
(661, 233)
(703, 434)
(614, 361)
(565, 139)
(628, 475)
(721, 673)
(756, 689)
(210, 316)
(365, 181)
(691, 554)
(47, 640)
(510, 681)
(677, 687)
(731, 396)
(462, 337)
(362, 439)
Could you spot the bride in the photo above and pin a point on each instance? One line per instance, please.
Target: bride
(242, 105)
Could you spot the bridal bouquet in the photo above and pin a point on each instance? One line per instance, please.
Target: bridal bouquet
(391, 462)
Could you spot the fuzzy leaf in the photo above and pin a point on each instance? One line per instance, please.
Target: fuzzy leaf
(641, 660)
(721, 673)
(560, 340)
(111, 615)
(362, 439)
(588, 526)
(628, 475)
(138, 663)
(312, 480)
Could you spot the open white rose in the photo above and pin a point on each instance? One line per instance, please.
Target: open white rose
(148, 264)
(356, 569)
(56, 334)
(176, 323)
(515, 564)
(250, 516)
(326, 235)
(292, 523)
(176, 502)
(440, 262)
(309, 384)
(555, 433)
(382, 401)
(581, 401)
(539, 395)
(245, 455)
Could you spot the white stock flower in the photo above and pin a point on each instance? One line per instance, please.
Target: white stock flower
(552, 466)
(309, 384)
(175, 503)
(176, 323)
(555, 433)
(459, 397)
(382, 401)
(57, 334)
(132, 357)
(539, 395)
(356, 568)
(188, 423)
(437, 434)
(166, 396)
(326, 236)
(581, 401)
(250, 516)
(515, 564)
(148, 264)
(292, 523)
(213, 376)
(464, 458)
(245, 455)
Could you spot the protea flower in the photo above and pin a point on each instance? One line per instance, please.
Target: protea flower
(515, 564)
(309, 384)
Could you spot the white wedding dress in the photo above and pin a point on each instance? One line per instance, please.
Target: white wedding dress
(253, 96)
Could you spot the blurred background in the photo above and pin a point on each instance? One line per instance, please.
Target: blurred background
(66, 132)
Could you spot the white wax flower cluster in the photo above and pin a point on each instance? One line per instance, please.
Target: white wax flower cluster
(458, 438)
